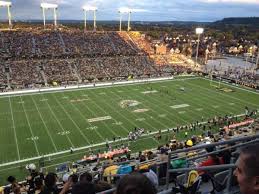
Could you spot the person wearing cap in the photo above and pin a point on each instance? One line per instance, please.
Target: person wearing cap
(247, 169)
(33, 173)
(188, 144)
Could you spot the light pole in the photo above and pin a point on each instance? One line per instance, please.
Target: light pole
(55, 17)
(85, 17)
(129, 21)
(89, 8)
(199, 31)
(120, 19)
(44, 17)
(8, 5)
(49, 6)
(95, 18)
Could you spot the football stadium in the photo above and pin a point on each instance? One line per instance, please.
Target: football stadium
(91, 106)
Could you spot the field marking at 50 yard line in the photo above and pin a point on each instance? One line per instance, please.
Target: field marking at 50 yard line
(69, 116)
(126, 117)
(155, 104)
(81, 114)
(90, 146)
(164, 109)
(122, 114)
(126, 130)
(107, 126)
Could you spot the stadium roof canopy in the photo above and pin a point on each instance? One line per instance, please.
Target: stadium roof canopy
(5, 3)
(49, 6)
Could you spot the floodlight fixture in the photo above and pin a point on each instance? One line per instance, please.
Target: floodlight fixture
(90, 8)
(7, 4)
(199, 30)
(49, 6)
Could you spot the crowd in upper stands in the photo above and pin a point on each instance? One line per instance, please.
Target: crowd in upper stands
(33, 58)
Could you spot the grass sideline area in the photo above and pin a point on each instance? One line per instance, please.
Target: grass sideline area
(40, 124)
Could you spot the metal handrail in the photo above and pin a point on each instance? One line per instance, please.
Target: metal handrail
(234, 140)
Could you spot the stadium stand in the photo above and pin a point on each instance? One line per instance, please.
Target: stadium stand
(36, 58)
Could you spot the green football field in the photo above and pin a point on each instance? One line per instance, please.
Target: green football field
(40, 124)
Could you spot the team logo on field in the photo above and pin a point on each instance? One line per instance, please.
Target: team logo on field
(128, 103)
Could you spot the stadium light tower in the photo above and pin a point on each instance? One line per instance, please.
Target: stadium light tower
(125, 10)
(47, 6)
(89, 8)
(129, 20)
(198, 31)
(8, 5)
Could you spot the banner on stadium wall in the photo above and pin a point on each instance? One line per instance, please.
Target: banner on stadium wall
(244, 123)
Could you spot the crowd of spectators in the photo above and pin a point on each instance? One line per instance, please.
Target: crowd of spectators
(143, 171)
(33, 56)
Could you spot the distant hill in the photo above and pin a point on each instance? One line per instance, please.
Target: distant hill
(238, 21)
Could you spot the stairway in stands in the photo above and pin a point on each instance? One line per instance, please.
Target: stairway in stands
(73, 69)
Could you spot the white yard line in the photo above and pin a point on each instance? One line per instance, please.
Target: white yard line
(45, 125)
(246, 102)
(69, 116)
(206, 97)
(107, 114)
(14, 129)
(91, 146)
(134, 115)
(59, 123)
(79, 111)
(126, 130)
(227, 84)
(34, 141)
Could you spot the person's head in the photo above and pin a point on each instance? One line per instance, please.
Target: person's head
(87, 177)
(135, 183)
(50, 180)
(247, 169)
(11, 179)
(38, 182)
(83, 187)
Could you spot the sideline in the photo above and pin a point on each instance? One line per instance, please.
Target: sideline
(93, 86)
